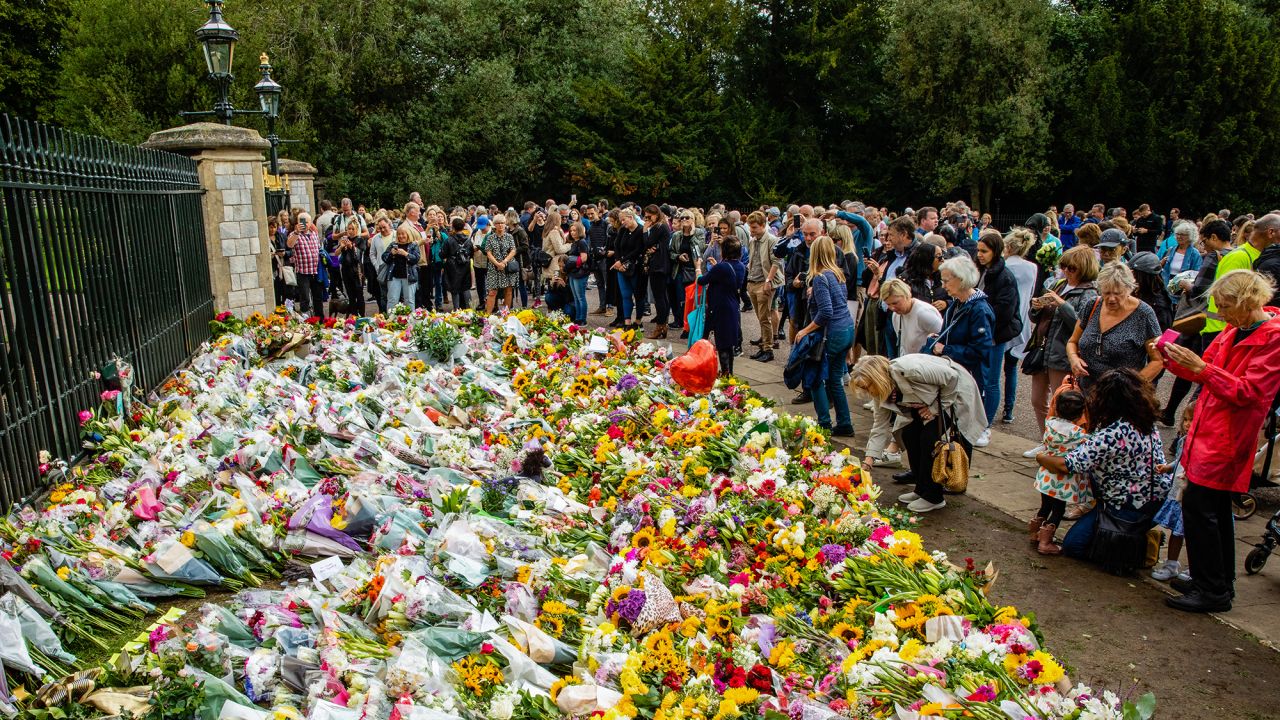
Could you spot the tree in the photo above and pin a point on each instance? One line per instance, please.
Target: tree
(653, 131)
(973, 95)
(30, 45)
(1175, 105)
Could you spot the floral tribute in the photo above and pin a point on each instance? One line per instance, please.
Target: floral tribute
(424, 517)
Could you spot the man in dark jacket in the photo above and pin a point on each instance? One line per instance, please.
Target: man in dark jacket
(1148, 228)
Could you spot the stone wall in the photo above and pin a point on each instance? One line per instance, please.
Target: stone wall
(240, 234)
(301, 177)
(229, 162)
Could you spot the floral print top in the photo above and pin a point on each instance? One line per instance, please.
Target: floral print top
(1060, 438)
(1121, 461)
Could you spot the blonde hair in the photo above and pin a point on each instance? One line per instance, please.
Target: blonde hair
(845, 235)
(895, 288)
(822, 257)
(1248, 289)
(1083, 260)
(1115, 275)
(871, 375)
(1018, 241)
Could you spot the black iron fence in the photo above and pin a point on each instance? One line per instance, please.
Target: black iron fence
(102, 254)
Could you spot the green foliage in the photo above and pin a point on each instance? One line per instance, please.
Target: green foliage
(697, 101)
(30, 42)
(977, 92)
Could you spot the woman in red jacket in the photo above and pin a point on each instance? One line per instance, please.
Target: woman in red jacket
(1239, 376)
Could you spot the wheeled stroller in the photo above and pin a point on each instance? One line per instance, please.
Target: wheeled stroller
(1244, 505)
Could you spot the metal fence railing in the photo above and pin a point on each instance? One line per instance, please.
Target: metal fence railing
(102, 253)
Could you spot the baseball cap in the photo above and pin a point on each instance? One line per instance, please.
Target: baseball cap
(1145, 262)
(482, 222)
(1112, 237)
(775, 212)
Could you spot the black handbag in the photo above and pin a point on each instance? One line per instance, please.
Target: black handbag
(1119, 546)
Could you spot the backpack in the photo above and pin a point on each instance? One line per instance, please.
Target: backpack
(1268, 263)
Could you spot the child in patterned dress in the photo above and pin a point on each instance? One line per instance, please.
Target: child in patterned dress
(1170, 514)
(1063, 431)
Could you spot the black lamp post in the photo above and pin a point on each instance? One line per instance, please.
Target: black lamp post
(219, 41)
(269, 91)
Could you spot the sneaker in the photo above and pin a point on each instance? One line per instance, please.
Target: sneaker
(909, 497)
(889, 460)
(1033, 452)
(1008, 416)
(984, 439)
(920, 505)
(1184, 576)
(1166, 571)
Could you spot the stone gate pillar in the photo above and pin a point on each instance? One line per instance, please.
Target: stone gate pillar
(301, 184)
(229, 163)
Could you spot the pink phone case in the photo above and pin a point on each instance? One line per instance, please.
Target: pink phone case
(1165, 338)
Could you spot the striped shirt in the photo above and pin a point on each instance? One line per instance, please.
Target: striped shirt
(306, 253)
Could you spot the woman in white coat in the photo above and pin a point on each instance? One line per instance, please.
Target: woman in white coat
(918, 389)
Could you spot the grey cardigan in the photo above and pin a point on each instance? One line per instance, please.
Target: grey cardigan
(1078, 303)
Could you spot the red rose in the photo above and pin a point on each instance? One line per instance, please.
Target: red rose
(760, 678)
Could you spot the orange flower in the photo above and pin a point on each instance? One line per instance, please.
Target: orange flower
(837, 482)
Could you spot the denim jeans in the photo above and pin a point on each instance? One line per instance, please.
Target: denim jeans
(831, 390)
(627, 286)
(1010, 381)
(400, 290)
(579, 307)
(991, 381)
(435, 271)
(1080, 536)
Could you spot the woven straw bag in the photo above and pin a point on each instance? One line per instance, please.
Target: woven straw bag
(950, 461)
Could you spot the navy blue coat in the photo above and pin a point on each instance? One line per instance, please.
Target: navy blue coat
(807, 363)
(966, 334)
(723, 319)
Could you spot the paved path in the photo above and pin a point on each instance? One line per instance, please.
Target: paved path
(1002, 479)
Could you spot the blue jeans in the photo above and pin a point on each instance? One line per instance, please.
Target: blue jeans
(579, 306)
(627, 286)
(436, 272)
(400, 290)
(1010, 382)
(991, 381)
(831, 390)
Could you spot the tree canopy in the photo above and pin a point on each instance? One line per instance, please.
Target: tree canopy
(746, 101)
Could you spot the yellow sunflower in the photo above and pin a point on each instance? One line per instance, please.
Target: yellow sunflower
(642, 539)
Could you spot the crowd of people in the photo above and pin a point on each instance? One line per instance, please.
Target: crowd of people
(933, 314)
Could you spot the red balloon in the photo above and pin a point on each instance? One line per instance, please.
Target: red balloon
(697, 369)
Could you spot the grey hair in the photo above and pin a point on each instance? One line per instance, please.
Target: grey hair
(1188, 227)
(962, 269)
(1115, 275)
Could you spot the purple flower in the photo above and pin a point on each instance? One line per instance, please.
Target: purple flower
(631, 605)
(835, 554)
(628, 381)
